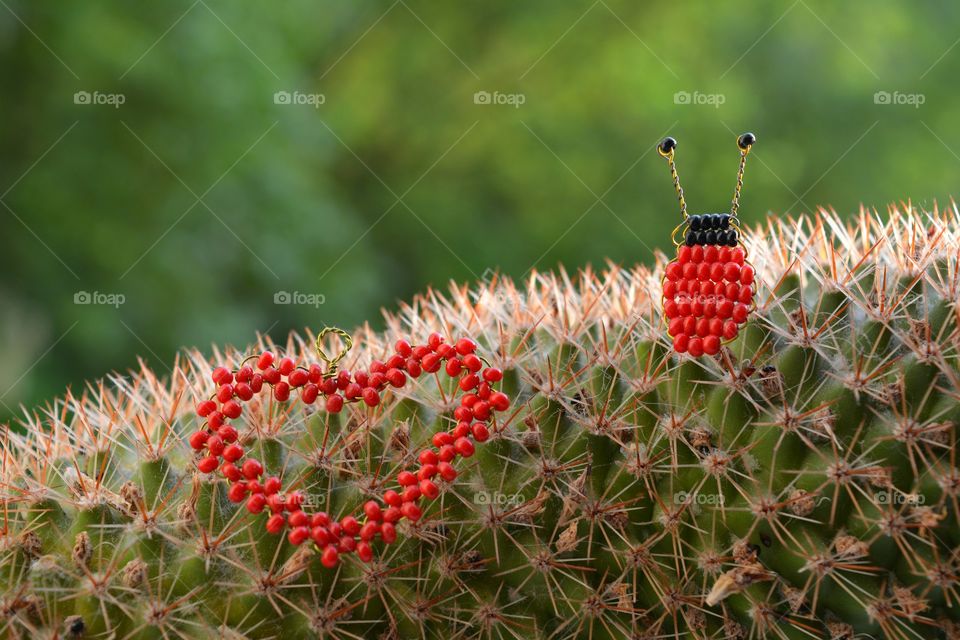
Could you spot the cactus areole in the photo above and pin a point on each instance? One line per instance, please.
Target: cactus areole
(538, 462)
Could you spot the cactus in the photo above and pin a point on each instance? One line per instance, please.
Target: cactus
(801, 483)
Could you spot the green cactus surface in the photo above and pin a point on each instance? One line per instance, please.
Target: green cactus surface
(802, 483)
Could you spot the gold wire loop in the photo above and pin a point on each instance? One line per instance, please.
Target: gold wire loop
(333, 364)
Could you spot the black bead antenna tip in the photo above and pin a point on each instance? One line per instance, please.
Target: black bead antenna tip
(666, 146)
(746, 140)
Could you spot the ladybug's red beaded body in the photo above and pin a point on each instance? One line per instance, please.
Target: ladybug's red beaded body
(709, 290)
(217, 444)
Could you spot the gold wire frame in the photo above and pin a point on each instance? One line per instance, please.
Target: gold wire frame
(333, 364)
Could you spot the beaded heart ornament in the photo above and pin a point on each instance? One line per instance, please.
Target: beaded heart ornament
(708, 289)
(218, 445)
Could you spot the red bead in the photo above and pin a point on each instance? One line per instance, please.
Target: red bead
(681, 343)
(480, 432)
(716, 327)
(403, 347)
(208, 464)
(252, 469)
(725, 309)
(441, 438)
(710, 307)
(453, 367)
(232, 453)
(671, 310)
(391, 514)
(499, 401)
(281, 391)
(330, 557)
(711, 253)
(695, 347)
(716, 272)
(232, 409)
(378, 366)
(388, 533)
(689, 326)
(447, 472)
(298, 535)
(206, 407)
(294, 501)
(316, 374)
(706, 288)
(364, 552)
(703, 327)
(683, 254)
(465, 346)
(431, 363)
(256, 503)
(271, 375)
(737, 255)
(405, 478)
(731, 271)
(711, 345)
(271, 485)
(447, 452)
(413, 368)
(411, 511)
(221, 375)
(370, 397)
(669, 289)
(298, 378)
(685, 308)
(690, 271)
(396, 377)
(429, 489)
(410, 494)
(275, 523)
(730, 330)
(746, 274)
(703, 271)
(243, 390)
(237, 492)
(372, 510)
(225, 392)
(350, 525)
(696, 309)
(198, 439)
(469, 382)
(265, 360)
(427, 457)
(320, 519)
(746, 294)
(464, 415)
(228, 433)
(446, 351)
(674, 271)
(696, 253)
(230, 471)
(724, 255)
(740, 313)
(215, 420)
(310, 393)
(298, 519)
(256, 383)
(732, 291)
(392, 498)
(286, 366)
(464, 447)
(676, 327)
(320, 535)
(492, 374)
(334, 403)
(275, 502)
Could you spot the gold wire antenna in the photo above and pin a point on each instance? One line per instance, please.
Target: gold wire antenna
(333, 364)
(667, 149)
(744, 142)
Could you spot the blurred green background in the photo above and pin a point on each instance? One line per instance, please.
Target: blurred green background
(194, 159)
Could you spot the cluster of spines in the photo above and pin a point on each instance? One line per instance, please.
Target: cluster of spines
(217, 442)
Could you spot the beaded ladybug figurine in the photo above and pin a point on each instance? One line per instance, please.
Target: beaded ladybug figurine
(708, 290)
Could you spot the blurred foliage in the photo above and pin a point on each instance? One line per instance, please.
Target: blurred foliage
(200, 197)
